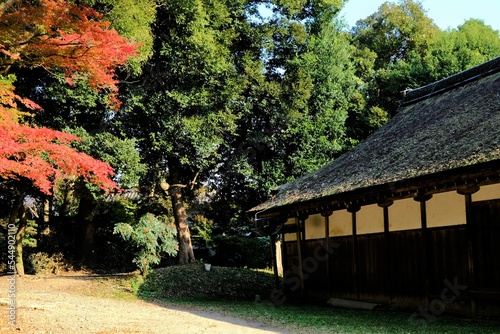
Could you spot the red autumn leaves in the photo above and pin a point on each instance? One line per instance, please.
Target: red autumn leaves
(75, 40)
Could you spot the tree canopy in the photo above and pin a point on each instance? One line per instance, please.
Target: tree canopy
(220, 102)
(59, 37)
(53, 35)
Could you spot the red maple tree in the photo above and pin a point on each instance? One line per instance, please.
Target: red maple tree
(43, 155)
(53, 34)
(57, 34)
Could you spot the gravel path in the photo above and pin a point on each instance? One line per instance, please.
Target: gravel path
(65, 305)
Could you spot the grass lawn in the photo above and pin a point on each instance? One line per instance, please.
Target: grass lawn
(296, 318)
(232, 291)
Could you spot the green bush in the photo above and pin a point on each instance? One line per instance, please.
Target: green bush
(44, 264)
(218, 283)
(202, 228)
(150, 237)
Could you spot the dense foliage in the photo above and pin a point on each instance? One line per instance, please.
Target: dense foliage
(151, 237)
(195, 110)
(74, 41)
(218, 283)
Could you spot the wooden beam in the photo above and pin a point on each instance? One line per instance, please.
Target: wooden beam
(275, 262)
(471, 237)
(427, 268)
(388, 259)
(355, 257)
(327, 215)
(450, 180)
(299, 255)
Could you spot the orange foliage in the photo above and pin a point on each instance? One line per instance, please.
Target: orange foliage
(53, 34)
(43, 155)
(57, 34)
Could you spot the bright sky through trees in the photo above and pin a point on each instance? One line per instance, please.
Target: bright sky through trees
(445, 13)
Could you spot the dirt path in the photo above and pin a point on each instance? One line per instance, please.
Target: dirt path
(66, 305)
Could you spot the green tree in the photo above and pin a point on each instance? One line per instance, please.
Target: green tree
(390, 47)
(151, 237)
(123, 156)
(301, 88)
(188, 99)
(397, 32)
(456, 50)
(82, 110)
(407, 50)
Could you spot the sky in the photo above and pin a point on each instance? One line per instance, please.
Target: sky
(445, 13)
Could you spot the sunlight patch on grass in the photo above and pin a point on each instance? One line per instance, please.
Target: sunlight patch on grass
(232, 291)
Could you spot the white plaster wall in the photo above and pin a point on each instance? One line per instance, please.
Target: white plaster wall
(370, 219)
(290, 236)
(487, 192)
(446, 209)
(404, 215)
(340, 223)
(315, 227)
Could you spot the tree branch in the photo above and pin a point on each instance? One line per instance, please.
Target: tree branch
(165, 186)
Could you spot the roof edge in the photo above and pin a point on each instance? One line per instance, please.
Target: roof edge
(390, 190)
(418, 94)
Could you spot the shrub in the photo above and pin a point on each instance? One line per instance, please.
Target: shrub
(150, 237)
(194, 281)
(202, 227)
(44, 264)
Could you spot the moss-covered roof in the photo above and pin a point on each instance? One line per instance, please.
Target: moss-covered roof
(449, 124)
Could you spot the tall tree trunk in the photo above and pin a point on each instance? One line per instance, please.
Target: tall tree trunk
(86, 230)
(21, 231)
(185, 254)
(14, 214)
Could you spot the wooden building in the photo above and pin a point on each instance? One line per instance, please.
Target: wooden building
(411, 216)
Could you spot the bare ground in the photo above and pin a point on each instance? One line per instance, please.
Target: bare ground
(77, 304)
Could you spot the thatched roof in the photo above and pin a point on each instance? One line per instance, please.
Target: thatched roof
(450, 124)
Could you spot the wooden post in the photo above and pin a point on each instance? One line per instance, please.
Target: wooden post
(427, 268)
(275, 263)
(471, 230)
(327, 215)
(299, 254)
(303, 219)
(355, 260)
(387, 236)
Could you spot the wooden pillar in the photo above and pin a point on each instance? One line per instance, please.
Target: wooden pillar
(427, 268)
(471, 230)
(327, 215)
(355, 257)
(300, 222)
(284, 252)
(303, 218)
(388, 259)
(275, 262)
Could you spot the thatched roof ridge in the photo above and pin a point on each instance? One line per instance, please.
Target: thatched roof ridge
(458, 79)
(450, 124)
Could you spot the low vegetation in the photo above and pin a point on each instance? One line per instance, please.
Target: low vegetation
(232, 291)
(193, 281)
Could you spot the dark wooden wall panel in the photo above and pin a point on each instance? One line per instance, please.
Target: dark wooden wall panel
(392, 269)
(407, 278)
(372, 267)
(487, 260)
(314, 264)
(342, 277)
(449, 259)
